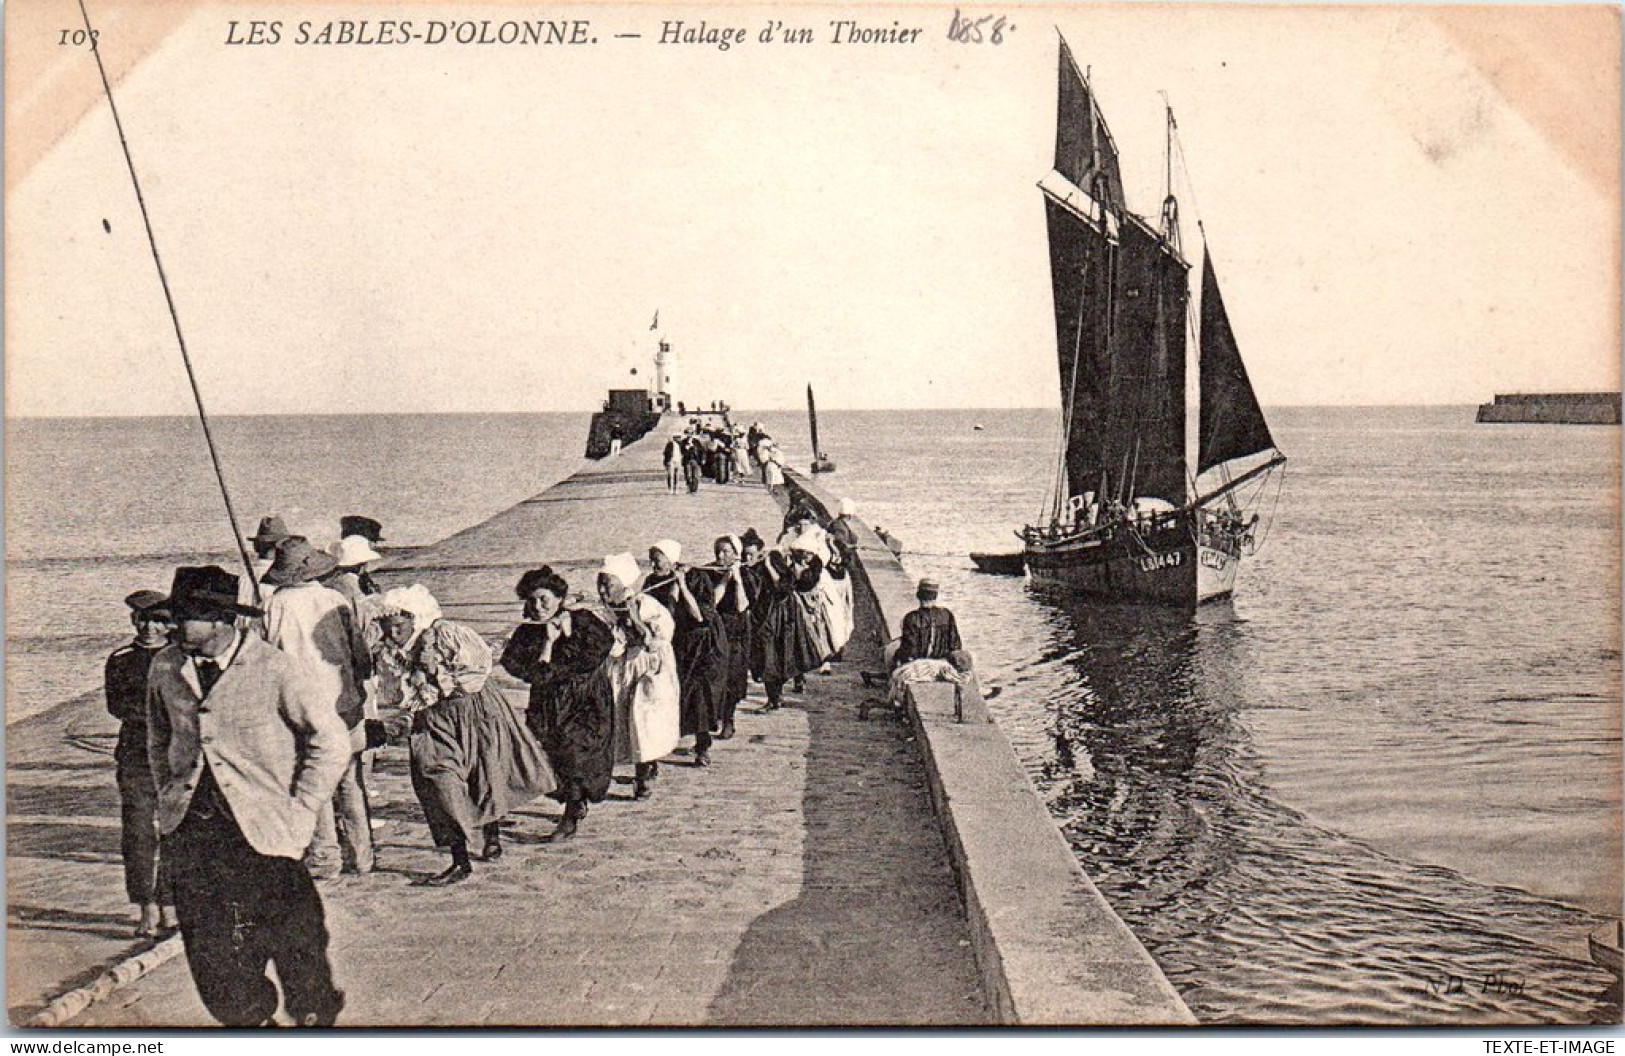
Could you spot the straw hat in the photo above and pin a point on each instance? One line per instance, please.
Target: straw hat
(298, 562)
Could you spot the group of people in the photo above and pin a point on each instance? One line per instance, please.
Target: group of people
(722, 453)
(249, 713)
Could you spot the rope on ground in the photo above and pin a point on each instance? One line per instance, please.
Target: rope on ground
(120, 975)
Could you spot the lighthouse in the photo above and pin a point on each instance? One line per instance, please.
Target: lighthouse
(665, 361)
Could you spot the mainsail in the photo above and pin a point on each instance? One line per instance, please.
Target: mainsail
(1232, 423)
(1120, 306)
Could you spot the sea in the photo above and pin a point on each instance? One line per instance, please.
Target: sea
(1380, 786)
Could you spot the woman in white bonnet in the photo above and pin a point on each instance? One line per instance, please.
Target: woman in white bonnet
(642, 670)
(472, 760)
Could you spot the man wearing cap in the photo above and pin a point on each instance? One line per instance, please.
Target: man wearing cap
(145, 882)
(244, 751)
(317, 626)
(929, 649)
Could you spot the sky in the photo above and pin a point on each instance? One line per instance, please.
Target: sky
(1404, 205)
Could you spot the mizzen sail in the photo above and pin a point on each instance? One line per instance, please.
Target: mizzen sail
(1232, 423)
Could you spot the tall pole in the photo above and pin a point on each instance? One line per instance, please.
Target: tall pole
(169, 300)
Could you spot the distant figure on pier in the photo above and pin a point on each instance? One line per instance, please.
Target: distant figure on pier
(772, 469)
(693, 462)
(894, 544)
(741, 457)
(614, 439)
(643, 672)
(563, 653)
(699, 641)
(929, 648)
(238, 797)
(672, 456)
(732, 597)
(316, 625)
(146, 879)
(472, 760)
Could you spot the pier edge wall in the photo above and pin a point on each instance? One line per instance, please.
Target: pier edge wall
(1049, 948)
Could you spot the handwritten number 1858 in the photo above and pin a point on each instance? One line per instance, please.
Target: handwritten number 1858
(975, 30)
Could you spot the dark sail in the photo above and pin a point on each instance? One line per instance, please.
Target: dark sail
(1084, 151)
(812, 422)
(1232, 424)
(1080, 271)
(1120, 334)
(1146, 432)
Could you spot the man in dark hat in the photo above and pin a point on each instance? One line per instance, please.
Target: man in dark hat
(271, 533)
(244, 752)
(365, 527)
(126, 683)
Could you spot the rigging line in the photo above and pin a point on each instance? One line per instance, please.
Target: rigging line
(169, 300)
(1061, 481)
(1269, 522)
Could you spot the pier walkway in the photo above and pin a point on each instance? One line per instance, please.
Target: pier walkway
(802, 879)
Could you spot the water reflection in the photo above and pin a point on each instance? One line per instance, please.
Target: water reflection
(1256, 913)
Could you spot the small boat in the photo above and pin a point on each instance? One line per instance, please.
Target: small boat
(1001, 564)
(1605, 945)
(977, 427)
(821, 462)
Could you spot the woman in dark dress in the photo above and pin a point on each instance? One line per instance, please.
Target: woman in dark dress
(700, 642)
(787, 644)
(732, 597)
(561, 651)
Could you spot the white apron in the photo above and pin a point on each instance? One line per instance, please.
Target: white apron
(646, 689)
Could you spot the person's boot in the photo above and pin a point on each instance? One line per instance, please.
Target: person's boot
(799, 685)
(642, 777)
(493, 842)
(567, 824)
(727, 732)
(147, 927)
(461, 868)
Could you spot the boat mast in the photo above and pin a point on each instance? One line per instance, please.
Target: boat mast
(1170, 204)
(812, 422)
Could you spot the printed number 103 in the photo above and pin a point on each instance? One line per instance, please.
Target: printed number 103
(77, 38)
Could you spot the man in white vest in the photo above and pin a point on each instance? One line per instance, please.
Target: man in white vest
(244, 750)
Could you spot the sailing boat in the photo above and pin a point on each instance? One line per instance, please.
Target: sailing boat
(821, 462)
(1126, 518)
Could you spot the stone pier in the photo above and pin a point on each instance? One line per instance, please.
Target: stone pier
(801, 879)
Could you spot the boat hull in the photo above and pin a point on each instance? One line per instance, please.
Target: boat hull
(1170, 565)
(1000, 564)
